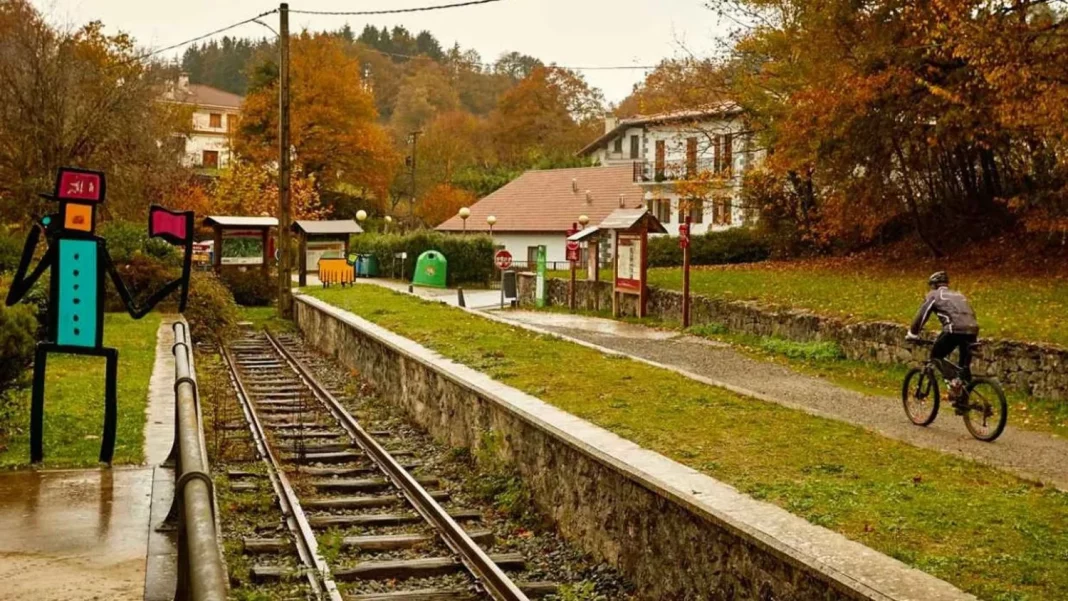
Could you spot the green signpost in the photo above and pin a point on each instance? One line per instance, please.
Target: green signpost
(539, 293)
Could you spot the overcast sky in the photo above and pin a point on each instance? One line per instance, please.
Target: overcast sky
(574, 33)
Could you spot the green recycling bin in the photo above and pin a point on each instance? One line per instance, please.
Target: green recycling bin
(367, 266)
(430, 270)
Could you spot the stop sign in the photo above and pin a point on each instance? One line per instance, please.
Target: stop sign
(503, 259)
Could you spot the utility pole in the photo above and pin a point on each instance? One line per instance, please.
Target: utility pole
(285, 283)
(414, 137)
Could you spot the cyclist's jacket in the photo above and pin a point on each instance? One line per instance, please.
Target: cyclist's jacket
(952, 310)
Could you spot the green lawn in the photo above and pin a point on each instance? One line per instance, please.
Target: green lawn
(990, 533)
(1031, 309)
(74, 400)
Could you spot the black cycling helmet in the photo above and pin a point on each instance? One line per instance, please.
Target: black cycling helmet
(938, 278)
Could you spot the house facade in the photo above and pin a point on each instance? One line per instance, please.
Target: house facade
(684, 163)
(215, 118)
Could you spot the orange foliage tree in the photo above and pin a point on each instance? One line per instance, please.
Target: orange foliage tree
(441, 203)
(335, 135)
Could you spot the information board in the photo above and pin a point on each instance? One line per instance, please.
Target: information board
(629, 262)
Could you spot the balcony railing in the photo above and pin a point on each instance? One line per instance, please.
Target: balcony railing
(673, 171)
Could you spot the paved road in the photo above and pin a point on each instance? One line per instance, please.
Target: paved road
(1030, 454)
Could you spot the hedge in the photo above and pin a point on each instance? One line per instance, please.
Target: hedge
(736, 245)
(470, 257)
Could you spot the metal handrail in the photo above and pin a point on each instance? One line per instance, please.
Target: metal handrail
(201, 571)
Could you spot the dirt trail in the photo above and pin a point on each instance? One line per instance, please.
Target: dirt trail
(1033, 455)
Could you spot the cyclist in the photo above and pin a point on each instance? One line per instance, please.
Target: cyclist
(960, 330)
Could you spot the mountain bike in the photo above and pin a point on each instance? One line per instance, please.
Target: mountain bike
(981, 401)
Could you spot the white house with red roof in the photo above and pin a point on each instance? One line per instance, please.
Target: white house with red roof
(215, 117)
(539, 207)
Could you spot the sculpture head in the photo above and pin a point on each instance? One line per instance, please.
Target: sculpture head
(78, 192)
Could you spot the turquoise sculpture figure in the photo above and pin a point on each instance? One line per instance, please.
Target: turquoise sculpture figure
(79, 260)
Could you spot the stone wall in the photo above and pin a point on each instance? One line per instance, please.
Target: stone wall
(1040, 370)
(675, 533)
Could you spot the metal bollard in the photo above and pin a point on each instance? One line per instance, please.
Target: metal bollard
(460, 297)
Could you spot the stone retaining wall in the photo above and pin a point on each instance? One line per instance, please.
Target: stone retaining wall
(673, 532)
(1040, 370)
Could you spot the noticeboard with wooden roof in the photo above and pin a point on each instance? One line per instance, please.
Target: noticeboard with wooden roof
(241, 241)
(322, 240)
(630, 238)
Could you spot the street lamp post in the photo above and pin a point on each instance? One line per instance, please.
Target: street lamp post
(464, 214)
(388, 221)
(491, 220)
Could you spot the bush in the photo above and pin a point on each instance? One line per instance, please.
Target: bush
(470, 257)
(736, 245)
(251, 288)
(127, 240)
(211, 312)
(143, 276)
(18, 328)
(10, 249)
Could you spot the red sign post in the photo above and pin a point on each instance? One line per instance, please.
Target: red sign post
(503, 259)
(684, 243)
(573, 258)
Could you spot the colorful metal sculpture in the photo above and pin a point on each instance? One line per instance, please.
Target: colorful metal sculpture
(79, 260)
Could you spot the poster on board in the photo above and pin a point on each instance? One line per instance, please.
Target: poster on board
(629, 263)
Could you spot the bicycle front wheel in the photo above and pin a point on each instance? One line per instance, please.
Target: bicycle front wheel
(920, 396)
(988, 412)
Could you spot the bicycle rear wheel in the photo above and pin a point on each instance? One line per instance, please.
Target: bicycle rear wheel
(988, 412)
(920, 396)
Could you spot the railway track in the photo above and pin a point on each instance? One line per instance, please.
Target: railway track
(356, 505)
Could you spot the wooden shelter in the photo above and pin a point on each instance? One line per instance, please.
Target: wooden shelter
(630, 238)
(226, 227)
(322, 239)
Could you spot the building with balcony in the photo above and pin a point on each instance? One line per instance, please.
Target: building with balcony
(215, 116)
(684, 163)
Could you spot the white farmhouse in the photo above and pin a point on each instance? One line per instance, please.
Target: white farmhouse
(666, 149)
(539, 207)
(215, 117)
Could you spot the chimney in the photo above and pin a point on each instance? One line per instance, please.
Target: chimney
(622, 201)
(589, 196)
(574, 185)
(183, 82)
(610, 123)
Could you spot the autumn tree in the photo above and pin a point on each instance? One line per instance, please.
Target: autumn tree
(897, 115)
(81, 98)
(441, 203)
(678, 84)
(334, 133)
(244, 188)
(550, 114)
(424, 93)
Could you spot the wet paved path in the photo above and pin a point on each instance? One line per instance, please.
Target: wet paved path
(71, 535)
(1032, 455)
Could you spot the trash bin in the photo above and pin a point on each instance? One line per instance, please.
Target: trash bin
(430, 270)
(368, 266)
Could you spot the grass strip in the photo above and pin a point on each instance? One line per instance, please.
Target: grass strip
(1011, 307)
(74, 400)
(988, 532)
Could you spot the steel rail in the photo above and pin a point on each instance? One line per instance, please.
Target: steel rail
(318, 572)
(488, 574)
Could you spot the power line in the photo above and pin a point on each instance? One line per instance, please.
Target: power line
(392, 11)
(201, 37)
